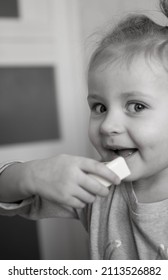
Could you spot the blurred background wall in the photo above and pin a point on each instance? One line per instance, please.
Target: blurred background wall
(45, 46)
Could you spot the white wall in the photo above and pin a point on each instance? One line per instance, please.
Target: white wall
(48, 33)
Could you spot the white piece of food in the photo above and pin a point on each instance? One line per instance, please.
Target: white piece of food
(118, 166)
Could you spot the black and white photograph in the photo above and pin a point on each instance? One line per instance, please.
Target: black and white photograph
(84, 132)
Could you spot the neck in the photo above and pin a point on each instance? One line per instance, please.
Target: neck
(152, 189)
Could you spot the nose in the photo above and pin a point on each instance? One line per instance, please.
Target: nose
(113, 124)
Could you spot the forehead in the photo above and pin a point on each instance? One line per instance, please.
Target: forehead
(151, 50)
(140, 73)
(137, 64)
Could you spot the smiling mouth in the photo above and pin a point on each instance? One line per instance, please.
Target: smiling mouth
(125, 152)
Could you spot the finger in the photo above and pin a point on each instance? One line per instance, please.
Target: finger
(91, 185)
(100, 169)
(84, 196)
(76, 203)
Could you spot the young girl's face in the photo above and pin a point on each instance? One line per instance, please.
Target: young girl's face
(129, 115)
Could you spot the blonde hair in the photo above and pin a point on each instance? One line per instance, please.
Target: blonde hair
(137, 34)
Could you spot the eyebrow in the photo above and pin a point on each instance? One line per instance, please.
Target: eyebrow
(94, 96)
(127, 94)
(138, 94)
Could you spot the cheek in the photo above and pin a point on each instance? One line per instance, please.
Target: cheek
(93, 133)
(151, 137)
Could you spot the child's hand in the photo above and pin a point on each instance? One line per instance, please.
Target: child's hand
(65, 179)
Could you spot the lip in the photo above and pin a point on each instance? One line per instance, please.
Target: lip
(125, 152)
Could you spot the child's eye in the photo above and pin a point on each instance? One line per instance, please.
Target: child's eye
(136, 107)
(99, 108)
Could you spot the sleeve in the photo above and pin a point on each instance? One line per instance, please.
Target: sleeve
(11, 208)
(35, 207)
(4, 165)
